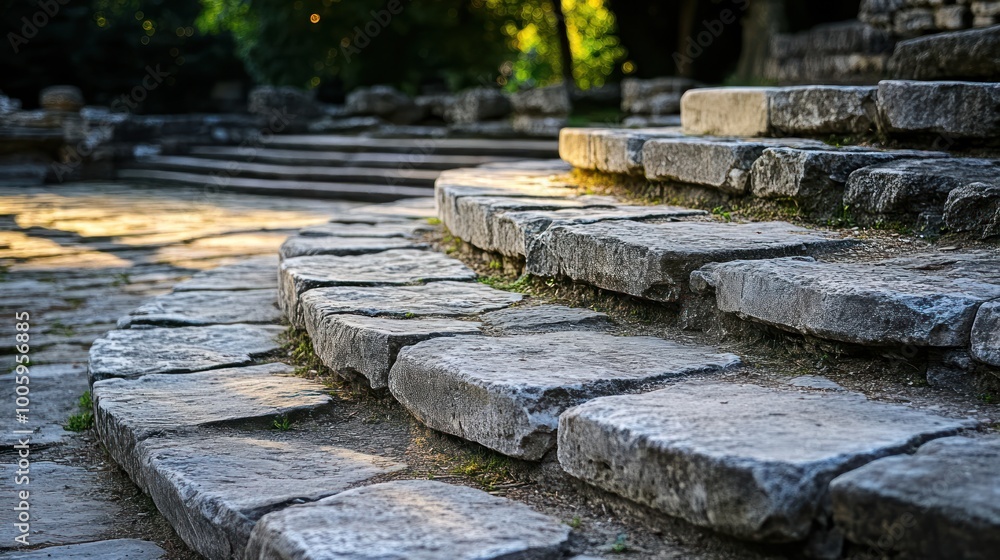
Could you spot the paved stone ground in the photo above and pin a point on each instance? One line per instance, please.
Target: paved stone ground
(77, 258)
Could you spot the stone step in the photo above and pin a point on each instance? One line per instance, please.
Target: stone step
(744, 460)
(610, 150)
(418, 160)
(437, 146)
(134, 353)
(416, 520)
(210, 307)
(654, 261)
(396, 267)
(409, 228)
(115, 549)
(397, 176)
(972, 54)
(952, 111)
(249, 274)
(435, 299)
(941, 502)
(308, 189)
(305, 245)
(506, 393)
(544, 318)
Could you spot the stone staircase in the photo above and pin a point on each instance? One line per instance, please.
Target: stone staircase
(812, 391)
(329, 166)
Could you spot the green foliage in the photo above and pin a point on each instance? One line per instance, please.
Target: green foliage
(620, 546)
(722, 213)
(282, 423)
(83, 420)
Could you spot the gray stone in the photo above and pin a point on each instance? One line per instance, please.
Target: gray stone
(726, 111)
(55, 393)
(541, 126)
(286, 101)
(963, 55)
(117, 549)
(128, 411)
(657, 96)
(251, 274)
(383, 230)
(507, 393)
(902, 190)
(550, 100)
(507, 181)
(655, 261)
(64, 507)
(954, 110)
(717, 163)
(607, 149)
(411, 519)
(407, 208)
(814, 382)
(61, 98)
(136, 352)
(941, 502)
(382, 101)
(986, 334)
(814, 179)
(392, 268)
(187, 309)
(442, 299)
(845, 37)
(974, 208)
(821, 110)
(478, 104)
(743, 460)
(358, 345)
(545, 318)
(863, 303)
(191, 481)
(303, 246)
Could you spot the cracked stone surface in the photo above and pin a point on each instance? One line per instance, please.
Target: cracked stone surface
(416, 520)
(877, 304)
(354, 345)
(654, 261)
(397, 267)
(116, 549)
(249, 274)
(301, 245)
(745, 460)
(507, 393)
(941, 502)
(544, 318)
(951, 109)
(444, 299)
(206, 308)
(133, 353)
(191, 480)
(127, 411)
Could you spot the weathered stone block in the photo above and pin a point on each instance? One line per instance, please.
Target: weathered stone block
(507, 393)
(61, 98)
(544, 318)
(478, 104)
(413, 519)
(609, 150)
(206, 308)
(941, 502)
(748, 461)
(290, 102)
(304, 245)
(954, 110)
(739, 111)
(443, 299)
(974, 208)
(550, 100)
(986, 334)
(657, 96)
(822, 110)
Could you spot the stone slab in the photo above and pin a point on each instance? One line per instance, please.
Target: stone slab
(609, 150)
(543, 180)
(822, 110)
(395, 267)
(862, 303)
(116, 549)
(128, 411)
(544, 318)
(941, 502)
(251, 274)
(954, 110)
(902, 190)
(136, 352)
(744, 460)
(986, 334)
(442, 299)
(726, 111)
(974, 208)
(506, 393)
(303, 246)
(357, 345)
(206, 308)
(972, 54)
(381, 230)
(654, 261)
(191, 480)
(416, 520)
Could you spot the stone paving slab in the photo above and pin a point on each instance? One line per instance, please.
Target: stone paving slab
(869, 303)
(54, 397)
(128, 411)
(250, 274)
(544, 318)
(654, 261)
(902, 190)
(191, 480)
(443, 299)
(415, 520)
(506, 393)
(607, 149)
(133, 353)
(396, 267)
(745, 460)
(116, 549)
(507, 182)
(941, 502)
(956, 110)
(208, 307)
(303, 246)
(407, 229)
(356, 345)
